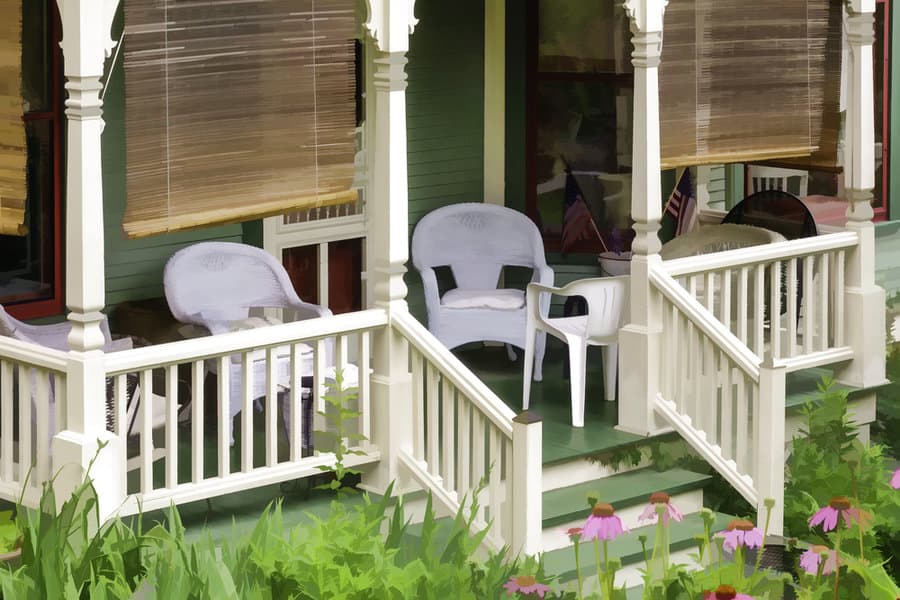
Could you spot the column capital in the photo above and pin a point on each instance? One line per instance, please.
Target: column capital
(860, 29)
(86, 42)
(645, 15)
(860, 6)
(859, 205)
(390, 23)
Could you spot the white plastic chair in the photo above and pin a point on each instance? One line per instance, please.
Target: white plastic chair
(776, 178)
(216, 284)
(476, 241)
(606, 298)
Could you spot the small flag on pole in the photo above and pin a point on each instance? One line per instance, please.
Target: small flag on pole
(678, 209)
(578, 224)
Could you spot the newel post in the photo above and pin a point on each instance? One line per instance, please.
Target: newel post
(526, 494)
(865, 302)
(390, 23)
(639, 340)
(86, 44)
(769, 445)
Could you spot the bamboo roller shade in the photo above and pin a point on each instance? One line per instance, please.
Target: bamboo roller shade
(13, 153)
(743, 81)
(236, 110)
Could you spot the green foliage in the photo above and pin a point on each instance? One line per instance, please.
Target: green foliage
(887, 423)
(10, 539)
(338, 416)
(828, 460)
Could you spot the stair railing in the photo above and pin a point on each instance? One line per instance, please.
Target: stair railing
(721, 398)
(466, 440)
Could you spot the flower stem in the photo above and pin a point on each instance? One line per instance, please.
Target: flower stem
(578, 571)
(607, 576)
(862, 552)
(597, 559)
(837, 559)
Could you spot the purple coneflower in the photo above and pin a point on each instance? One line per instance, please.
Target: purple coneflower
(811, 559)
(660, 498)
(895, 480)
(603, 524)
(828, 515)
(741, 534)
(574, 533)
(527, 585)
(725, 592)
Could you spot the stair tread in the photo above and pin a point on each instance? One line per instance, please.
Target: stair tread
(561, 562)
(621, 490)
(803, 385)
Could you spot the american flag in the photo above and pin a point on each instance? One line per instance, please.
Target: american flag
(578, 224)
(679, 208)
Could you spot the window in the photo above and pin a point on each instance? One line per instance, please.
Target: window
(579, 103)
(31, 264)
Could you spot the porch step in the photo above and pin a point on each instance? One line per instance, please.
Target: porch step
(561, 562)
(803, 386)
(628, 493)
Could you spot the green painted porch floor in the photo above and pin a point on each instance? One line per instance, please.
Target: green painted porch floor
(551, 399)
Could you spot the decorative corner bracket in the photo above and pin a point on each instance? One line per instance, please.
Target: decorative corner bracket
(860, 6)
(87, 41)
(390, 23)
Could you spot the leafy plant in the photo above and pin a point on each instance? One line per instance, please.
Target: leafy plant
(338, 399)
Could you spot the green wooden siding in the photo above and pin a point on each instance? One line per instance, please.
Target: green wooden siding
(445, 107)
(134, 267)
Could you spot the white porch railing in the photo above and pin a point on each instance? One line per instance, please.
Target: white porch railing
(463, 433)
(806, 300)
(177, 443)
(32, 411)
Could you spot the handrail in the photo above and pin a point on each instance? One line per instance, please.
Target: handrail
(739, 353)
(453, 369)
(191, 350)
(714, 261)
(33, 355)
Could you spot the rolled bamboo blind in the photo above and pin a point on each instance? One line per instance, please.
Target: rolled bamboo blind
(746, 81)
(236, 110)
(13, 152)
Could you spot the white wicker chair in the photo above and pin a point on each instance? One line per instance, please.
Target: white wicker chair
(476, 241)
(215, 285)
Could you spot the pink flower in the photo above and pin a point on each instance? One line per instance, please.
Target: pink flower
(741, 533)
(810, 560)
(526, 585)
(603, 524)
(660, 498)
(895, 480)
(725, 592)
(828, 515)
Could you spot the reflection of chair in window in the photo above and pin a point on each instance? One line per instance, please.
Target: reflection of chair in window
(476, 241)
(773, 178)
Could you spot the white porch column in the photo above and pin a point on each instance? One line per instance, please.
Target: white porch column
(86, 44)
(391, 22)
(639, 341)
(865, 301)
(495, 101)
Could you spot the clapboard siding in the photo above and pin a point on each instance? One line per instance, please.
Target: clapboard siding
(717, 187)
(445, 107)
(134, 267)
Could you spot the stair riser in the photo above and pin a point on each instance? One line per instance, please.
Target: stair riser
(580, 471)
(555, 537)
(630, 575)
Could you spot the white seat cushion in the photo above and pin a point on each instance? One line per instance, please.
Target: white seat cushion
(502, 299)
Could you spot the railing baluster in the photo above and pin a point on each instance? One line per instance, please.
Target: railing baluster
(223, 404)
(365, 400)
(838, 312)
(295, 402)
(198, 370)
(792, 300)
(808, 303)
(478, 455)
(247, 411)
(171, 426)
(418, 390)
(725, 304)
(709, 290)
(448, 446)
(272, 358)
(496, 464)
(727, 420)
(6, 420)
(319, 356)
(146, 431)
(743, 300)
(120, 400)
(59, 402)
(824, 304)
(42, 420)
(775, 308)
(433, 436)
(759, 302)
(24, 385)
(463, 431)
